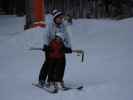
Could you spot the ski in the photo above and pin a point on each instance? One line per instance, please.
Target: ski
(46, 88)
(67, 87)
(74, 86)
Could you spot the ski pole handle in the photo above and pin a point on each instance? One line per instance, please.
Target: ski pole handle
(80, 52)
(82, 56)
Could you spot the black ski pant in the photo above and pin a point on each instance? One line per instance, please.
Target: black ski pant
(56, 69)
(43, 72)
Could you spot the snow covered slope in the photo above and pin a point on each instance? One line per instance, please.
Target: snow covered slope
(106, 72)
(9, 26)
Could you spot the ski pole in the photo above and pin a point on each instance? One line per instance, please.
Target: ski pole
(74, 51)
(34, 48)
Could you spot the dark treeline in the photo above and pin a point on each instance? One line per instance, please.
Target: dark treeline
(93, 8)
(12, 7)
(76, 8)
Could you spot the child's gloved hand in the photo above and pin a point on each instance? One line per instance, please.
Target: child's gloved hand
(68, 50)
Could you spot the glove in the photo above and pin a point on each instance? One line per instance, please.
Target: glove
(68, 50)
(45, 48)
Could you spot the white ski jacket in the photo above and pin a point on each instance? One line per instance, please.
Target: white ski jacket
(52, 30)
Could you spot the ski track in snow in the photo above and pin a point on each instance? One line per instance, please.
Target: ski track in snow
(106, 72)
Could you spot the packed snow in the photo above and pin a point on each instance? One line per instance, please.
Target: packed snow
(106, 72)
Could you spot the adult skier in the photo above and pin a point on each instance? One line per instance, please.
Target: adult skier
(56, 44)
